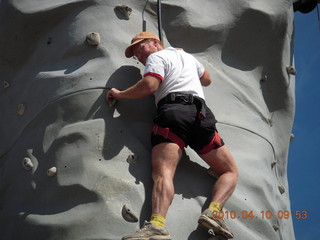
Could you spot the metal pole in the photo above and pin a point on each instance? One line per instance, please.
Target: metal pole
(159, 19)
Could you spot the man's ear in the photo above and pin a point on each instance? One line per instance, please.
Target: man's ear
(155, 42)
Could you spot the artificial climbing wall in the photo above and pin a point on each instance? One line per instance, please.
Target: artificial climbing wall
(72, 167)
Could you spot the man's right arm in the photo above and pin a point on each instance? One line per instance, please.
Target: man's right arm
(145, 87)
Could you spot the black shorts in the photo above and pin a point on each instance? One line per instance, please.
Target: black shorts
(182, 119)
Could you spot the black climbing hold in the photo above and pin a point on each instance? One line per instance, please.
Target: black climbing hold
(132, 158)
(6, 84)
(305, 6)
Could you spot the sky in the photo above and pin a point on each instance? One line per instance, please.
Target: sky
(304, 159)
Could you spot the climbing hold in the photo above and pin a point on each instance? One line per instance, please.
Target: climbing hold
(21, 109)
(27, 164)
(151, 12)
(49, 41)
(264, 78)
(93, 38)
(112, 102)
(132, 158)
(281, 189)
(125, 10)
(273, 163)
(291, 70)
(128, 215)
(292, 137)
(275, 227)
(52, 171)
(6, 84)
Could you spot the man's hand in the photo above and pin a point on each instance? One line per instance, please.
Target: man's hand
(143, 88)
(112, 94)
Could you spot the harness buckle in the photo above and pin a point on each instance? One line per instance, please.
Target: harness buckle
(172, 97)
(191, 98)
(201, 116)
(164, 132)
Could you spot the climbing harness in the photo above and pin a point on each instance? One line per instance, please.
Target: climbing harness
(167, 134)
(215, 143)
(183, 98)
(177, 97)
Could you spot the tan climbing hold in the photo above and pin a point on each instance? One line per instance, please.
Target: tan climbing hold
(6, 84)
(27, 164)
(52, 171)
(292, 137)
(21, 109)
(93, 39)
(291, 70)
(281, 189)
(125, 10)
(128, 215)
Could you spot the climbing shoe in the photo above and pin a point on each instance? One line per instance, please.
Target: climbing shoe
(149, 232)
(210, 220)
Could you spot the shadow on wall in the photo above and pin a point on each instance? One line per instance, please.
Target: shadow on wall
(252, 34)
(121, 118)
(179, 34)
(32, 40)
(263, 37)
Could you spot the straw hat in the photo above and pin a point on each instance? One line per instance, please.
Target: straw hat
(139, 38)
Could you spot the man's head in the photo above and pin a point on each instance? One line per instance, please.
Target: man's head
(142, 45)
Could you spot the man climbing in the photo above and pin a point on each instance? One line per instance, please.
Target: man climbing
(176, 79)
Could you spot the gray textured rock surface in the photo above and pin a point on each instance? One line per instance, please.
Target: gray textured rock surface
(102, 153)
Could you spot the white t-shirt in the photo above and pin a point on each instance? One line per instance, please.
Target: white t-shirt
(179, 72)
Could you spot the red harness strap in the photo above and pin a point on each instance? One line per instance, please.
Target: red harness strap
(167, 134)
(214, 144)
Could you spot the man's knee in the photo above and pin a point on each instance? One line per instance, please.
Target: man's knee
(221, 160)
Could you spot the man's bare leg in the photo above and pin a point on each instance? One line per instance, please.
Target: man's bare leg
(225, 167)
(165, 158)
(222, 162)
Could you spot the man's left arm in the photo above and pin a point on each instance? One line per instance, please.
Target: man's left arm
(145, 87)
(205, 79)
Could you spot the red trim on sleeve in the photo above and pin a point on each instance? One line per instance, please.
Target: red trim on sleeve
(203, 75)
(155, 75)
